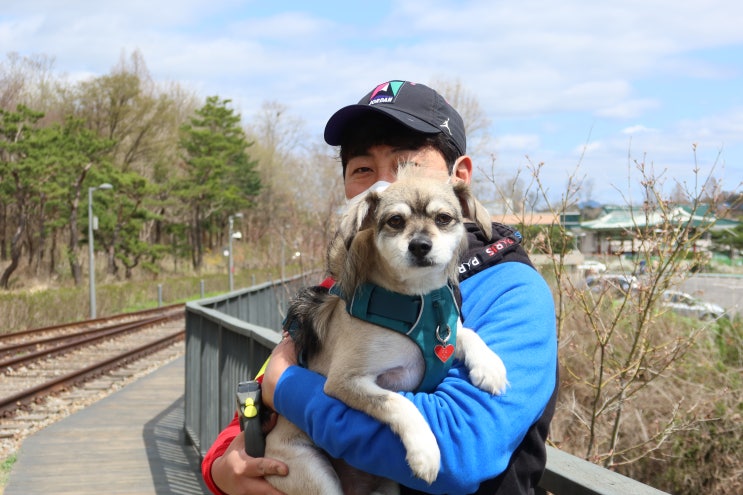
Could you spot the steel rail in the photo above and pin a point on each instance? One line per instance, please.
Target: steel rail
(75, 341)
(26, 396)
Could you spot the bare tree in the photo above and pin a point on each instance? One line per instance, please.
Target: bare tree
(28, 80)
(301, 199)
(623, 358)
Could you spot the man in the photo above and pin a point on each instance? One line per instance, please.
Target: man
(489, 444)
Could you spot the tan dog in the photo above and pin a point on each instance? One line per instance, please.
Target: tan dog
(408, 240)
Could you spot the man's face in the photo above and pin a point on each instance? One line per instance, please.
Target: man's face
(380, 163)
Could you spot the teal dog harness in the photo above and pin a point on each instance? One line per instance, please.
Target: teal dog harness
(429, 320)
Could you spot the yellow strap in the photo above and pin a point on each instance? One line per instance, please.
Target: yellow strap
(262, 370)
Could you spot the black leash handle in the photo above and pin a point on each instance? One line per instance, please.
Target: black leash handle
(249, 406)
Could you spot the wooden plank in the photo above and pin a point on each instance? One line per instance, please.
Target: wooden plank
(128, 443)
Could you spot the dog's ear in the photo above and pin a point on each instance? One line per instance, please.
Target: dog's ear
(358, 217)
(473, 209)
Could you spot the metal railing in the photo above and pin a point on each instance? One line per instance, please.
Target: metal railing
(229, 337)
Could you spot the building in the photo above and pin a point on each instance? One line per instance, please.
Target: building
(624, 229)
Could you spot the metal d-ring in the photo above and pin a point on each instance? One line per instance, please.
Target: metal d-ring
(443, 340)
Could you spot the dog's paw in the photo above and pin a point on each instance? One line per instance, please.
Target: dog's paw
(487, 371)
(425, 462)
(490, 375)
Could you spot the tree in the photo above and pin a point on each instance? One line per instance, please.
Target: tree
(126, 107)
(729, 239)
(219, 175)
(18, 177)
(624, 359)
(29, 81)
(125, 231)
(628, 367)
(79, 151)
(301, 193)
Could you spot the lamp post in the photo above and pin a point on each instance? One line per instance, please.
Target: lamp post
(91, 220)
(230, 263)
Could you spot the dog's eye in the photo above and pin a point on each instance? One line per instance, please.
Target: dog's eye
(396, 222)
(444, 219)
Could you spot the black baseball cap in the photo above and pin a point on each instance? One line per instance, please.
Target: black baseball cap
(414, 105)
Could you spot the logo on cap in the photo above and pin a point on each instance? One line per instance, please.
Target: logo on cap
(445, 125)
(385, 92)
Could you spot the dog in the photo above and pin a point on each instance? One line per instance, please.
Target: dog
(405, 241)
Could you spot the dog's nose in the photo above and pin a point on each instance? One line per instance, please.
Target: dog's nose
(420, 246)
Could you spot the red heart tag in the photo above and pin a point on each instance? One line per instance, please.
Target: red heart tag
(443, 352)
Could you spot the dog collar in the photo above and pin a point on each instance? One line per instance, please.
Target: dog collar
(429, 320)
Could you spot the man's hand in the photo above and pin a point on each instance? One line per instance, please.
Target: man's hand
(236, 473)
(283, 356)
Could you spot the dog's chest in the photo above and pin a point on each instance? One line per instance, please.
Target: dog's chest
(397, 360)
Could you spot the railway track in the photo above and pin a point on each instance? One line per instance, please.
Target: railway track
(48, 371)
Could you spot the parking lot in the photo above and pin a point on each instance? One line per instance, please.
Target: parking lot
(725, 290)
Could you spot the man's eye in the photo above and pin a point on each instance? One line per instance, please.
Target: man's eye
(444, 219)
(396, 222)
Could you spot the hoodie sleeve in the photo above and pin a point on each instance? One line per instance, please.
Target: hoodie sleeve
(510, 306)
(219, 447)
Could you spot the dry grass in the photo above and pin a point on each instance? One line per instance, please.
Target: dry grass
(38, 305)
(674, 420)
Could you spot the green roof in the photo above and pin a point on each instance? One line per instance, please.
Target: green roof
(627, 218)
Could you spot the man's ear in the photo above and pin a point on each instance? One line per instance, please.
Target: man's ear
(462, 169)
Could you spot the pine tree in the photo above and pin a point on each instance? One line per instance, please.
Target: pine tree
(219, 175)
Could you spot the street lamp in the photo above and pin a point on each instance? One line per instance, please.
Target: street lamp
(231, 265)
(91, 220)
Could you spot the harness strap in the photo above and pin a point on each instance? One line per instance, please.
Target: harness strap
(429, 320)
(399, 312)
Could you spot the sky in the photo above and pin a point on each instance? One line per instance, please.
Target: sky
(582, 89)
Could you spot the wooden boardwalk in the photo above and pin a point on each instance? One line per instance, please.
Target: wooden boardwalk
(131, 442)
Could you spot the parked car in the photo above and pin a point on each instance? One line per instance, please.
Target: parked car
(688, 305)
(616, 282)
(592, 266)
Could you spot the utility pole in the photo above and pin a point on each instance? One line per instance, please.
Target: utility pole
(91, 250)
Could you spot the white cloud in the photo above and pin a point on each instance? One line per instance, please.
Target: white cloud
(591, 147)
(637, 129)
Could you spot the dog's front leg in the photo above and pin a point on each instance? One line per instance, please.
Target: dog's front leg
(486, 369)
(360, 391)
